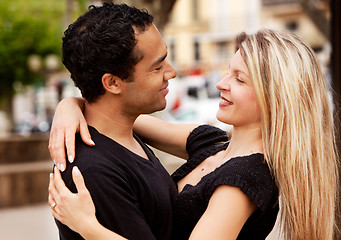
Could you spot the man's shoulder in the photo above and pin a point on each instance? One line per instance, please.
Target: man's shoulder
(100, 157)
(106, 156)
(104, 147)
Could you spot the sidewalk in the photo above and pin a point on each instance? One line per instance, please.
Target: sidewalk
(30, 223)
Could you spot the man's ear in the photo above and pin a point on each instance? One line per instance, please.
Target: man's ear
(112, 83)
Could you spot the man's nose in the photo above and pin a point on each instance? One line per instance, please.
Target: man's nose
(170, 73)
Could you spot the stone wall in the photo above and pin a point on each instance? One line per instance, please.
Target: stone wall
(25, 165)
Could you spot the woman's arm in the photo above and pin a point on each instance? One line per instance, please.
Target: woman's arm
(77, 211)
(68, 120)
(101, 233)
(165, 136)
(227, 212)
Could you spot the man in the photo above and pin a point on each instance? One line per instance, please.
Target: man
(117, 59)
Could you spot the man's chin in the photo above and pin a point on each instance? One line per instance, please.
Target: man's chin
(158, 108)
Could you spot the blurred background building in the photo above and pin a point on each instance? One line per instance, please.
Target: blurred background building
(199, 35)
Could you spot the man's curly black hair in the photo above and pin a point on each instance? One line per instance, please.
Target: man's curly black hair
(102, 41)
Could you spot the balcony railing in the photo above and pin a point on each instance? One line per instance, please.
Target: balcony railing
(269, 3)
(272, 3)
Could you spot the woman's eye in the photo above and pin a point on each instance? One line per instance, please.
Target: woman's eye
(239, 80)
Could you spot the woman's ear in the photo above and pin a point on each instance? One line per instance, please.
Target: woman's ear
(112, 83)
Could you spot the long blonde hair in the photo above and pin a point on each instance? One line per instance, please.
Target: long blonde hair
(297, 130)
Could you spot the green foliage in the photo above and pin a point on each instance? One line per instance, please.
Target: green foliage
(82, 4)
(27, 27)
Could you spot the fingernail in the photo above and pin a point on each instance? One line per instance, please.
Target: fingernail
(61, 167)
(51, 175)
(71, 159)
(92, 142)
(76, 171)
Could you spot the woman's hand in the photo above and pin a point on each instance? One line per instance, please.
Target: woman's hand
(68, 120)
(76, 210)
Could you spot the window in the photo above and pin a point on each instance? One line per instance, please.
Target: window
(196, 50)
(291, 26)
(195, 7)
(172, 50)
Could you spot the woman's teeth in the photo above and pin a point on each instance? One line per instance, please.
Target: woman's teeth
(224, 100)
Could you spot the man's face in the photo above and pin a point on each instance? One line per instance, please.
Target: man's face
(147, 92)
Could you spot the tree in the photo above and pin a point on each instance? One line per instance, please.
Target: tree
(27, 27)
(160, 9)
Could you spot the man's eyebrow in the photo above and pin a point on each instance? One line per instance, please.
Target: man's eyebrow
(159, 60)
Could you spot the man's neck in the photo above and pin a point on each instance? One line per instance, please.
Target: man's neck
(111, 121)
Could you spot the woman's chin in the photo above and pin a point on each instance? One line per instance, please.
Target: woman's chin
(221, 118)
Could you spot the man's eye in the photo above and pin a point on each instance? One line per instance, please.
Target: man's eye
(158, 68)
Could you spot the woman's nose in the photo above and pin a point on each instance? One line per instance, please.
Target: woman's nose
(223, 84)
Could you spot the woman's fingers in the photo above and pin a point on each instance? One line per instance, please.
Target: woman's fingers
(84, 132)
(71, 209)
(56, 147)
(66, 122)
(70, 133)
(83, 192)
(70, 144)
(56, 197)
(52, 192)
(78, 180)
(60, 185)
(64, 137)
(59, 150)
(51, 140)
(52, 199)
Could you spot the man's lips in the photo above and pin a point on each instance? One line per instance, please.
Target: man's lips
(165, 87)
(164, 90)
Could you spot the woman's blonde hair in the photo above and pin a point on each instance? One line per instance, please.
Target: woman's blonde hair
(297, 130)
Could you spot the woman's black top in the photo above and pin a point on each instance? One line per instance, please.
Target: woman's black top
(249, 173)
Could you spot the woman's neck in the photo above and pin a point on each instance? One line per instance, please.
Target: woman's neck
(245, 141)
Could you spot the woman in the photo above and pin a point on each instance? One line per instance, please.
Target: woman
(282, 139)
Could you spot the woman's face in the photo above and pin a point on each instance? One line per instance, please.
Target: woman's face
(238, 105)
